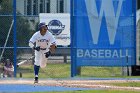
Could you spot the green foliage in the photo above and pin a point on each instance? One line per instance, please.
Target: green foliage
(23, 29)
(5, 23)
(0, 1)
(6, 7)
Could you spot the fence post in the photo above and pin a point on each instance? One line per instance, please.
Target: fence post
(15, 38)
(127, 65)
(65, 58)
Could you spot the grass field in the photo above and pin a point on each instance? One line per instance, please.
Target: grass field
(51, 71)
(64, 71)
(127, 84)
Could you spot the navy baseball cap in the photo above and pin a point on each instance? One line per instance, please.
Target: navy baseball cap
(40, 25)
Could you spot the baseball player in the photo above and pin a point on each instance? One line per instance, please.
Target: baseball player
(43, 42)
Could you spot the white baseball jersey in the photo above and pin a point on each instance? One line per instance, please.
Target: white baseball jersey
(44, 42)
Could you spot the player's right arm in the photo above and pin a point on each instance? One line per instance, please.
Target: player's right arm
(32, 42)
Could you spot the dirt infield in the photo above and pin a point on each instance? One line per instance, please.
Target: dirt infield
(104, 84)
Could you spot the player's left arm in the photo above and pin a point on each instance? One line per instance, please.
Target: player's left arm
(52, 47)
(53, 44)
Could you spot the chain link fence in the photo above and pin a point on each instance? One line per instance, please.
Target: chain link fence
(27, 19)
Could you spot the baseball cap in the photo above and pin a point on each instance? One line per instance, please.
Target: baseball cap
(40, 25)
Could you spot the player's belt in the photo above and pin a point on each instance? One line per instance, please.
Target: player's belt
(42, 48)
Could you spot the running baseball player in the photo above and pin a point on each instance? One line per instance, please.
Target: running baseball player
(43, 42)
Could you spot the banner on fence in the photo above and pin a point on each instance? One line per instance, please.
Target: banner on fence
(59, 25)
(104, 32)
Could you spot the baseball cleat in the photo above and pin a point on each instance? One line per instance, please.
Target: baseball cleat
(36, 80)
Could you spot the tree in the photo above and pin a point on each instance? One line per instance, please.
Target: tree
(23, 28)
(6, 7)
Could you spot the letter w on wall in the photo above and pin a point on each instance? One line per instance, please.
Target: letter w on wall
(111, 17)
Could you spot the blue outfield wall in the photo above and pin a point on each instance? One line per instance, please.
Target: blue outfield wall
(103, 32)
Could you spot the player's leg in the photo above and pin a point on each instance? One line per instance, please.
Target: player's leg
(43, 61)
(36, 66)
(36, 71)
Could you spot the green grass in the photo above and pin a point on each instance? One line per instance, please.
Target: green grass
(127, 84)
(64, 71)
(51, 71)
(100, 71)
